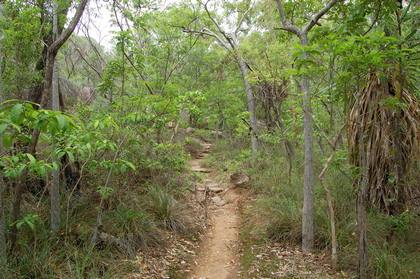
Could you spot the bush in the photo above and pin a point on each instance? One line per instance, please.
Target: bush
(165, 209)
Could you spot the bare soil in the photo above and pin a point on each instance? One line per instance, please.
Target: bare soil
(217, 256)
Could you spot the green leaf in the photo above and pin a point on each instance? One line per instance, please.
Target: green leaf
(60, 154)
(20, 170)
(31, 225)
(87, 138)
(31, 158)
(130, 165)
(15, 113)
(71, 156)
(3, 128)
(54, 166)
(42, 171)
(63, 122)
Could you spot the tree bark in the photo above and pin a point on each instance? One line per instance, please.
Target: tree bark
(251, 104)
(55, 178)
(2, 184)
(361, 200)
(53, 50)
(309, 175)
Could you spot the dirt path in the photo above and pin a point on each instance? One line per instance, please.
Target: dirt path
(217, 257)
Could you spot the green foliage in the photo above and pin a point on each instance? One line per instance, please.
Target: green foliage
(165, 208)
(20, 118)
(29, 220)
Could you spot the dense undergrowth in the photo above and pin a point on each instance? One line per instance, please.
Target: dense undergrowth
(128, 184)
(143, 200)
(275, 215)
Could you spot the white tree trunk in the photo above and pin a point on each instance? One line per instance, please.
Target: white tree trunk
(309, 175)
(251, 104)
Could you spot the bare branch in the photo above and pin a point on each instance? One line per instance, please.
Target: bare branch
(286, 24)
(226, 36)
(208, 32)
(318, 15)
(312, 22)
(243, 17)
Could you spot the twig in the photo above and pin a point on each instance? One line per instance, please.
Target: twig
(334, 245)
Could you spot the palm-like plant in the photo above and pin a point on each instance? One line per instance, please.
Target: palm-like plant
(388, 116)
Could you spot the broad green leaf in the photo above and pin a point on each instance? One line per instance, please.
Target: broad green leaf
(3, 128)
(63, 122)
(20, 170)
(60, 154)
(15, 113)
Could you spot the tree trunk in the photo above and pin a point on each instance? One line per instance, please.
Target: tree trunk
(251, 104)
(55, 177)
(49, 67)
(309, 174)
(2, 223)
(2, 184)
(361, 201)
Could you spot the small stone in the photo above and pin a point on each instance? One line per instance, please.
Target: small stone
(220, 203)
(215, 189)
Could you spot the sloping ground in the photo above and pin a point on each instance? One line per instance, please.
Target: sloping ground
(218, 255)
(276, 260)
(219, 251)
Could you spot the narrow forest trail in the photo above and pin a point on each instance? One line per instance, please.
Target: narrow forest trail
(217, 255)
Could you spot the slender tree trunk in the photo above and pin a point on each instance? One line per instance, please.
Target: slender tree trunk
(2, 184)
(361, 200)
(55, 177)
(251, 104)
(309, 173)
(2, 223)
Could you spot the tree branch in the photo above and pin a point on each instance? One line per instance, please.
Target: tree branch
(314, 20)
(243, 17)
(208, 32)
(55, 46)
(318, 15)
(286, 24)
(228, 39)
